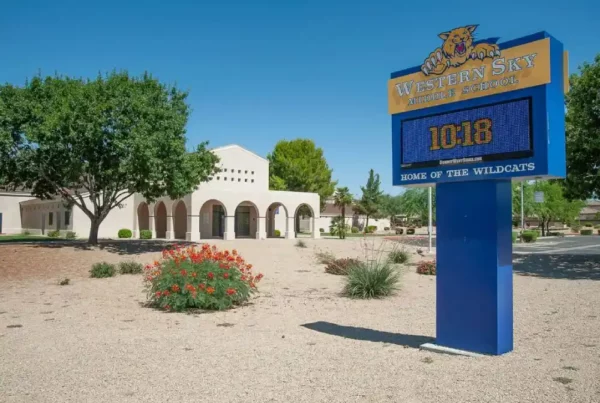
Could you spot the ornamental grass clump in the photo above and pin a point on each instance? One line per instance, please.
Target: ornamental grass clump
(366, 281)
(341, 267)
(202, 278)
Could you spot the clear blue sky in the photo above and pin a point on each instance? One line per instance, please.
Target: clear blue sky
(259, 71)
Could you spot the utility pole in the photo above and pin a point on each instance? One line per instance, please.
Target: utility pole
(430, 217)
(522, 210)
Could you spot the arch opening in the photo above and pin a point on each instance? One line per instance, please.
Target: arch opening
(143, 216)
(212, 219)
(277, 220)
(246, 220)
(160, 220)
(304, 220)
(180, 220)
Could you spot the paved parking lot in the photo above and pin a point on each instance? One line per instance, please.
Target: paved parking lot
(572, 245)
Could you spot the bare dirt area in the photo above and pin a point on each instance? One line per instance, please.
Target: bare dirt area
(298, 341)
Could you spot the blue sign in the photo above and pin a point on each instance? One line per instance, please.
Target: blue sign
(486, 133)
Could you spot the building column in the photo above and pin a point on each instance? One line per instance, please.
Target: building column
(151, 225)
(261, 228)
(170, 233)
(135, 232)
(290, 232)
(316, 233)
(193, 226)
(229, 233)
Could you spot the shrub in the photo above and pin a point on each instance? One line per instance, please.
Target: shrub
(515, 235)
(277, 233)
(410, 231)
(586, 231)
(324, 257)
(204, 278)
(102, 270)
(124, 233)
(597, 226)
(54, 234)
(386, 228)
(371, 229)
(556, 233)
(341, 266)
(131, 267)
(588, 226)
(321, 230)
(145, 234)
(355, 230)
(25, 232)
(398, 256)
(70, 235)
(575, 228)
(300, 244)
(399, 231)
(529, 236)
(427, 267)
(64, 281)
(371, 281)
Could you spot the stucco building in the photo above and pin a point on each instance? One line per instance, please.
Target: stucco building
(235, 203)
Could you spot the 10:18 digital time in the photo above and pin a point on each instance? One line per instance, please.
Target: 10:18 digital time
(449, 139)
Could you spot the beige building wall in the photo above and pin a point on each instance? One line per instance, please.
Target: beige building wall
(42, 216)
(11, 211)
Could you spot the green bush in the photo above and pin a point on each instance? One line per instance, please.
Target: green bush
(102, 270)
(386, 228)
(556, 233)
(371, 229)
(277, 233)
(203, 278)
(410, 231)
(515, 236)
(529, 236)
(124, 233)
(597, 226)
(341, 266)
(399, 231)
(575, 228)
(371, 281)
(398, 256)
(586, 231)
(25, 232)
(300, 244)
(131, 267)
(427, 267)
(588, 226)
(70, 235)
(54, 234)
(321, 230)
(145, 234)
(355, 230)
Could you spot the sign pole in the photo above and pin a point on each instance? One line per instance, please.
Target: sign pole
(430, 218)
(522, 209)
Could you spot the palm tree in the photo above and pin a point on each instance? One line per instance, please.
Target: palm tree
(341, 199)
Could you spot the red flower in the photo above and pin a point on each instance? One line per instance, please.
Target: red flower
(201, 286)
(211, 275)
(167, 307)
(166, 293)
(260, 275)
(210, 290)
(175, 288)
(158, 293)
(190, 287)
(248, 266)
(194, 274)
(231, 291)
(234, 252)
(183, 273)
(225, 275)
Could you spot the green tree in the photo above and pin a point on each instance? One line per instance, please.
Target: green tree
(555, 206)
(94, 143)
(416, 203)
(528, 200)
(372, 197)
(583, 132)
(299, 166)
(392, 206)
(341, 199)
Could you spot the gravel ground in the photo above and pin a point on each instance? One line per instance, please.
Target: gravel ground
(298, 341)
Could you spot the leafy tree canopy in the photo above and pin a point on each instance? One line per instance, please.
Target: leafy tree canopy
(416, 203)
(107, 138)
(583, 132)
(555, 206)
(341, 199)
(299, 166)
(371, 201)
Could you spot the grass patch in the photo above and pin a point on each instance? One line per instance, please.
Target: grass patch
(399, 256)
(102, 270)
(324, 257)
(366, 281)
(131, 267)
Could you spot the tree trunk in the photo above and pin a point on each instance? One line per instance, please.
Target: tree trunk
(543, 227)
(367, 225)
(343, 231)
(94, 226)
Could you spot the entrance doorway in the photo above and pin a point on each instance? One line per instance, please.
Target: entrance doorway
(242, 221)
(218, 220)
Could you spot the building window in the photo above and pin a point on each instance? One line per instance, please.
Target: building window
(245, 180)
(224, 178)
(50, 219)
(67, 218)
(232, 179)
(225, 170)
(252, 172)
(246, 171)
(252, 180)
(239, 179)
(218, 177)
(239, 171)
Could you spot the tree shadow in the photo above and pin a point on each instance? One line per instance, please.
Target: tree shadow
(555, 266)
(361, 333)
(119, 247)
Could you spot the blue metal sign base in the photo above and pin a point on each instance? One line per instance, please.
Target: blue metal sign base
(474, 266)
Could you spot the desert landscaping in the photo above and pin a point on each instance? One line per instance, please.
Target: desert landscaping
(298, 340)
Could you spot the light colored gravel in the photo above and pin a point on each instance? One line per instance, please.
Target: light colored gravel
(92, 341)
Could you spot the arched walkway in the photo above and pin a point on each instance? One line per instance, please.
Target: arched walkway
(212, 220)
(143, 215)
(277, 220)
(246, 220)
(304, 220)
(160, 220)
(179, 220)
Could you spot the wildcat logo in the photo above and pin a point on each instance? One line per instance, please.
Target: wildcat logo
(457, 49)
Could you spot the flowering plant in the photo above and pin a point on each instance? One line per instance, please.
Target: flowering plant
(426, 267)
(204, 278)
